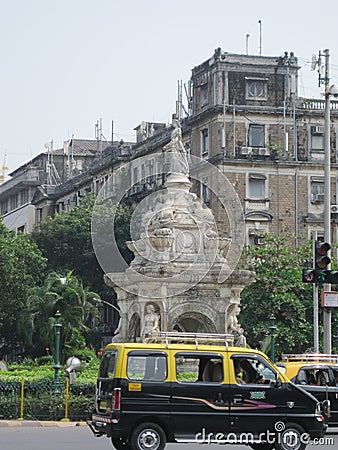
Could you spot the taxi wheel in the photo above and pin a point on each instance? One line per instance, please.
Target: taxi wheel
(148, 436)
(119, 444)
(291, 438)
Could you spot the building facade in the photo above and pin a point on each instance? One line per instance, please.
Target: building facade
(244, 115)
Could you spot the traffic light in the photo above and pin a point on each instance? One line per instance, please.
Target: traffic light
(332, 276)
(320, 273)
(309, 276)
(321, 261)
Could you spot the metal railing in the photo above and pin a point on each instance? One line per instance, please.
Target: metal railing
(195, 338)
(310, 357)
(28, 400)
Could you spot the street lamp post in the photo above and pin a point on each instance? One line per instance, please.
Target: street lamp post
(272, 329)
(57, 326)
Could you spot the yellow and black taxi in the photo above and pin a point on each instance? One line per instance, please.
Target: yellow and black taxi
(185, 387)
(317, 374)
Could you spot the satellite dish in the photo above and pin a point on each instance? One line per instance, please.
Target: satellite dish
(314, 62)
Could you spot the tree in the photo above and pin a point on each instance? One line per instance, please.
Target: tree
(67, 295)
(65, 240)
(22, 266)
(279, 291)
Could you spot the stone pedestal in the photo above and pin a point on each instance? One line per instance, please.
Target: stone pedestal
(207, 307)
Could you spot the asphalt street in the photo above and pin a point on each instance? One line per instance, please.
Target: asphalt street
(70, 437)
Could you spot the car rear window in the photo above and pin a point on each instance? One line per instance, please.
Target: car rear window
(108, 364)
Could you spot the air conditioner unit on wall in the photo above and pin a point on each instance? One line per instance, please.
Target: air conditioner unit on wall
(318, 129)
(318, 197)
(334, 213)
(263, 151)
(246, 150)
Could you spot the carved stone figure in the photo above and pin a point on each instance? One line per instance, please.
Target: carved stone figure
(151, 321)
(233, 327)
(179, 162)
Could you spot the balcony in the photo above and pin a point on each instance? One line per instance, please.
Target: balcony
(30, 177)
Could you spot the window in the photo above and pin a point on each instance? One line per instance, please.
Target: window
(204, 143)
(317, 190)
(256, 89)
(252, 371)
(147, 366)
(199, 368)
(256, 136)
(108, 365)
(313, 376)
(257, 186)
(204, 94)
(135, 175)
(317, 138)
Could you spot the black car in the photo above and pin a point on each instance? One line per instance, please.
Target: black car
(319, 377)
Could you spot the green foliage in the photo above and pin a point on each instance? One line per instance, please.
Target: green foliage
(22, 266)
(66, 240)
(41, 370)
(88, 358)
(40, 402)
(279, 291)
(74, 302)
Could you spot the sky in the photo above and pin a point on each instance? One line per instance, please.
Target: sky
(67, 64)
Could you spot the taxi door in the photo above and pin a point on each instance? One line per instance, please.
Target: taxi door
(324, 389)
(199, 397)
(256, 401)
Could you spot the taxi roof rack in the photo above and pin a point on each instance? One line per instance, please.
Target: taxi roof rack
(196, 338)
(310, 357)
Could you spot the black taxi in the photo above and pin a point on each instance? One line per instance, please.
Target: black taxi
(317, 374)
(196, 388)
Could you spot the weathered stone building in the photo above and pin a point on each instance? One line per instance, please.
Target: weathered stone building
(244, 116)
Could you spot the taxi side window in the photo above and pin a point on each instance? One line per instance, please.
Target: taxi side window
(335, 375)
(313, 377)
(199, 368)
(252, 371)
(151, 367)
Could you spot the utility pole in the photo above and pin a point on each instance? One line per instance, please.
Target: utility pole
(315, 300)
(327, 197)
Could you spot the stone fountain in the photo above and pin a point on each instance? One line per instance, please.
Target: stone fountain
(173, 280)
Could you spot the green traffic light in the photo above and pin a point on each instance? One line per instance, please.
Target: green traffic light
(321, 277)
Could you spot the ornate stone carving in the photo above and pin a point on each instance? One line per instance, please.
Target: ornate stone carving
(151, 321)
(233, 327)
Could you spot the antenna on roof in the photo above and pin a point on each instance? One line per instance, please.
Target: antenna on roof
(3, 169)
(247, 43)
(314, 62)
(260, 37)
(98, 135)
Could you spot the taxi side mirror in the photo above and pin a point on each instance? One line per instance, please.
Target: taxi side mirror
(326, 407)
